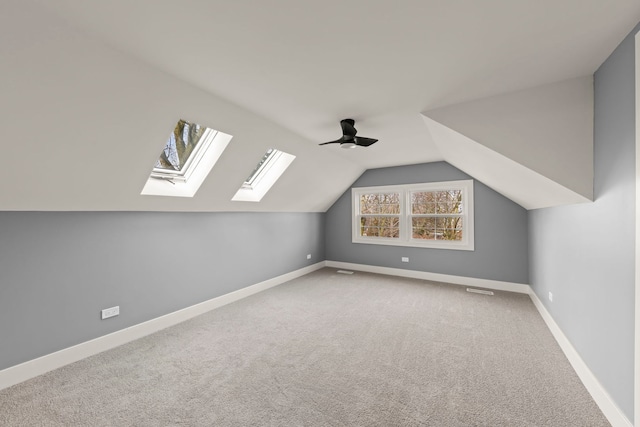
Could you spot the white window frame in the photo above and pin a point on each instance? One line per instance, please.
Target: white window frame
(263, 178)
(203, 144)
(185, 183)
(405, 238)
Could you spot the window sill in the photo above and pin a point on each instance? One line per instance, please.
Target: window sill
(431, 244)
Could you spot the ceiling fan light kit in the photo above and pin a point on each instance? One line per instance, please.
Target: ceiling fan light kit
(349, 138)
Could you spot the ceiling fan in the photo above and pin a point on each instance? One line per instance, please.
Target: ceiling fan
(349, 138)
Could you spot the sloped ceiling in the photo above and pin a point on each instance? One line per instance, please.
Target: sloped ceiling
(92, 89)
(522, 185)
(534, 146)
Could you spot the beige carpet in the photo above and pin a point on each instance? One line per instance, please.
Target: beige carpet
(326, 350)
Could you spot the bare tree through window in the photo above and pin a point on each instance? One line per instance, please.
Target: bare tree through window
(428, 214)
(437, 215)
(380, 215)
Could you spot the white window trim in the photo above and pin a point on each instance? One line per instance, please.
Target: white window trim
(405, 239)
(187, 182)
(207, 138)
(264, 178)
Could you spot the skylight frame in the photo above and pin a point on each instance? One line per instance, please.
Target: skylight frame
(192, 162)
(268, 170)
(262, 168)
(187, 181)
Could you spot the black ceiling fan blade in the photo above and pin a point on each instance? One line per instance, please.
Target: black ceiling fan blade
(349, 138)
(364, 142)
(337, 141)
(347, 127)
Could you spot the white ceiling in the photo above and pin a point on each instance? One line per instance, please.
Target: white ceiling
(288, 69)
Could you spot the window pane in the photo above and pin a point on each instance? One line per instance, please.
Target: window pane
(449, 201)
(376, 226)
(424, 228)
(180, 145)
(441, 202)
(423, 202)
(380, 203)
(270, 152)
(449, 228)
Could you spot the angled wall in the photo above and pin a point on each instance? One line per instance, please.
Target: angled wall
(500, 231)
(59, 269)
(547, 129)
(584, 254)
(526, 187)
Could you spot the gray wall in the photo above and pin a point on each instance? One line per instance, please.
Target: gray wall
(59, 269)
(500, 231)
(584, 254)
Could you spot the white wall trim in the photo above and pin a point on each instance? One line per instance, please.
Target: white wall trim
(436, 277)
(32, 368)
(24, 371)
(607, 405)
(636, 382)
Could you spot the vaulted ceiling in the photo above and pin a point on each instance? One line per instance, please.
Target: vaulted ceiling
(91, 90)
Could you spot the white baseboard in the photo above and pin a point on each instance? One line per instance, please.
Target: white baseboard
(435, 277)
(608, 407)
(24, 371)
(41, 365)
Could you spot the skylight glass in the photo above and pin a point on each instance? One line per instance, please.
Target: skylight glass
(180, 145)
(268, 170)
(261, 164)
(187, 158)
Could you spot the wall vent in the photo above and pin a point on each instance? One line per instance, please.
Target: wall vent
(479, 291)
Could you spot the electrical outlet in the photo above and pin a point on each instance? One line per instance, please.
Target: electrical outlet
(405, 259)
(550, 297)
(110, 312)
(308, 256)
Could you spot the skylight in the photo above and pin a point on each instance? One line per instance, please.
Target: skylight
(270, 167)
(180, 145)
(187, 158)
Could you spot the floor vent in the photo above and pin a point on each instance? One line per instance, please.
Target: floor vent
(344, 272)
(479, 291)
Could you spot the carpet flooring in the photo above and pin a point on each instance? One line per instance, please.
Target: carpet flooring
(326, 350)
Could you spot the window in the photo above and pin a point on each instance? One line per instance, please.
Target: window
(430, 215)
(184, 145)
(187, 158)
(380, 215)
(270, 167)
